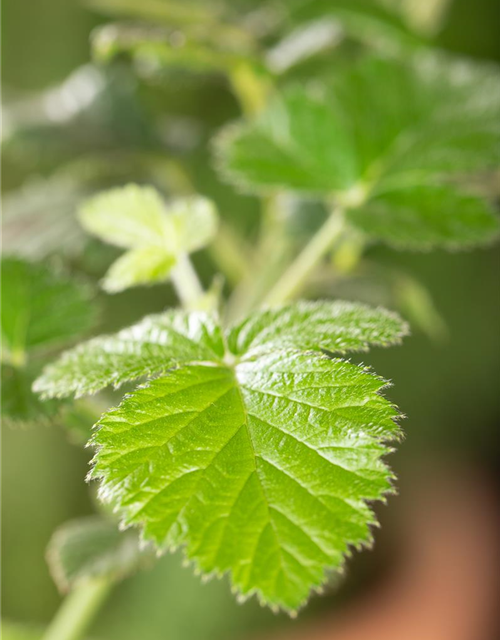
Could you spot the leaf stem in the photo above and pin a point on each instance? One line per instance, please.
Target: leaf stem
(186, 282)
(294, 278)
(78, 610)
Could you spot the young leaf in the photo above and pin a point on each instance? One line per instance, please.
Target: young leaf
(258, 456)
(40, 309)
(136, 218)
(89, 548)
(376, 140)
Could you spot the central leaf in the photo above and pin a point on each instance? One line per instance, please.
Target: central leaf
(255, 450)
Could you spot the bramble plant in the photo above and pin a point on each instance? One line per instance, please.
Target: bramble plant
(251, 440)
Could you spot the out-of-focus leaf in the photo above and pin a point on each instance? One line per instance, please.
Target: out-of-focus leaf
(40, 309)
(157, 234)
(21, 408)
(384, 142)
(427, 217)
(92, 547)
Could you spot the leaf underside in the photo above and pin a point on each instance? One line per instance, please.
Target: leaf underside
(254, 449)
(91, 547)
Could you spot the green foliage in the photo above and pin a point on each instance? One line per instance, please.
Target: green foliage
(41, 310)
(92, 547)
(136, 218)
(257, 421)
(383, 140)
(20, 407)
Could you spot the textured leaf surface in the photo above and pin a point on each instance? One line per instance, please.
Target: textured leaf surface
(156, 234)
(258, 452)
(381, 127)
(153, 346)
(338, 327)
(89, 548)
(40, 309)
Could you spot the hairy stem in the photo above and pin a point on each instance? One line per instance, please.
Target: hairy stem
(78, 610)
(297, 274)
(186, 283)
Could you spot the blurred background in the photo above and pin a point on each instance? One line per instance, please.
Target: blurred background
(73, 125)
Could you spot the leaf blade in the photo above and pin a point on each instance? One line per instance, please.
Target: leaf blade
(149, 348)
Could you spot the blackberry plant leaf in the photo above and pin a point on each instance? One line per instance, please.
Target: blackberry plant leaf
(424, 217)
(258, 452)
(92, 547)
(20, 408)
(156, 234)
(383, 132)
(149, 348)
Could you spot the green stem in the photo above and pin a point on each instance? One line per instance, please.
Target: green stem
(297, 274)
(78, 610)
(186, 283)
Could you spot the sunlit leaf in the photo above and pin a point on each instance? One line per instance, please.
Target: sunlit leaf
(258, 452)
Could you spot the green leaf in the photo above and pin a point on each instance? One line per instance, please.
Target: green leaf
(337, 327)
(40, 309)
(130, 216)
(144, 265)
(426, 217)
(155, 345)
(381, 127)
(20, 407)
(137, 218)
(92, 547)
(257, 453)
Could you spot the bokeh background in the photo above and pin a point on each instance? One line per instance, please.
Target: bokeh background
(434, 571)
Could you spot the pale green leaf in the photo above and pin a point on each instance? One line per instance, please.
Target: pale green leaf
(130, 216)
(157, 233)
(426, 217)
(92, 547)
(144, 265)
(155, 345)
(40, 309)
(258, 452)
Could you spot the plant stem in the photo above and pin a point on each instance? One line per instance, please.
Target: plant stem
(186, 283)
(78, 610)
(294, 278)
